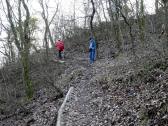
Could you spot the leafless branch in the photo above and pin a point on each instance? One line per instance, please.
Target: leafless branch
(12, 25)
(53, 15)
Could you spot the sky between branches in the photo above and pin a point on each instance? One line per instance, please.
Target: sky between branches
(66, 8)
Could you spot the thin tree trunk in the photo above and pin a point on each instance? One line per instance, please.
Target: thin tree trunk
(141, 19)
(50, 36)
(118, 32)
(92, 17)
(25, 57)
(103, 10)
(26, 74)
(47, 23)
(130, 32)
(142, 22)
(74, 16)
(10, 46)
(156, 6)
(46, 45)
(111, 14)
(17, 43)
(137, 9)
(98, 17)
(106, 21)
(22, 42)
(166, 16)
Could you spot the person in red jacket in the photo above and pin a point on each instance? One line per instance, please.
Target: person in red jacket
(60, 47)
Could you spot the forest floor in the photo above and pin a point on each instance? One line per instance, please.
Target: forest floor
(119, 91)
(116, 92)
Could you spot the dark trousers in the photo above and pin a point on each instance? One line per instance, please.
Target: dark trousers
(59, 54)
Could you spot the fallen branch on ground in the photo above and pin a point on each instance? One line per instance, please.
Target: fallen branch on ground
(60, 111)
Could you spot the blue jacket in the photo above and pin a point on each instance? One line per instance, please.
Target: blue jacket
(92, 44)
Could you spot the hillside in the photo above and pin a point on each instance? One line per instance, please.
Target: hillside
(84, 63)
(115, 90)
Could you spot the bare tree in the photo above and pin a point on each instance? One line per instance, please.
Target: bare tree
(7, 44)
(47, 33)
(0, 26)
(116, 22)
(114, 15)
(22, 40)
(86, 11)
(165, 2)
(129, 24)
(137, 9)
(5, 51)
(110, 12)
(141, 18)
(103, 9)
(97, 11)
(156, 6)
(74, 14)
(92, 17)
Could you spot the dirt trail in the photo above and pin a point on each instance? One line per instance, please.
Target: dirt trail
(85, 106)
(106, 93)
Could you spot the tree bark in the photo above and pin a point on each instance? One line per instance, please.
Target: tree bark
(117, 27)
(137, 9)
(25, 53)
(47, 23)
(130, 32)
(156, 6)
(111, 13)
(140, 18)
(17, 43)
(46, 45)
(104, 14)
(22, 42)
(92, 17)
(166, 15)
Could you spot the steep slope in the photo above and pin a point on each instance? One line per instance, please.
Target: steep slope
(119, 91)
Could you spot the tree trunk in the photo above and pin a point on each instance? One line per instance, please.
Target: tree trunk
(137, 9)
(46, 46)
(140, 19)
(117, 27)
(104, 29)
(104, 14)
(26, 74)
(47, 24)
(166, 16)
(156, 6)
(111, 14)
(25, 57)
(126, 9)
(50, 36)
(10, 46)
(92, 17)
(22, 42)
(142, 22)
(74, 16)
(86, 6)
(130, 33)
(17, 43)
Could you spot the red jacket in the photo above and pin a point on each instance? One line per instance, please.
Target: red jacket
(59, 45)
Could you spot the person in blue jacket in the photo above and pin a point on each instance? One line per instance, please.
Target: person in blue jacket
(92, 50)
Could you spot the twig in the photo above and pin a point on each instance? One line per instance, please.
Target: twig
(60, 111)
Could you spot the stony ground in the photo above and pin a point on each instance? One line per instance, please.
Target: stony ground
(115, 92)
(89, 99)
(120, 92)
